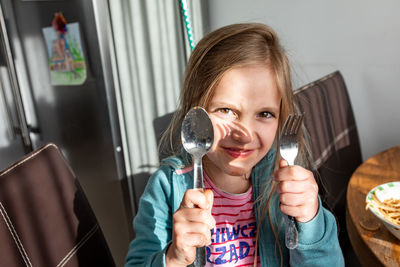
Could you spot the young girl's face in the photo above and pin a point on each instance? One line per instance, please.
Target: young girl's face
(245, 111)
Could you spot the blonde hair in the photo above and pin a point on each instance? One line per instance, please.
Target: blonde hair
(223, 49)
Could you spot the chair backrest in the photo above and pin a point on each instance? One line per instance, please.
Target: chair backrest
(45, 218)
(333, 136)
(160, 125)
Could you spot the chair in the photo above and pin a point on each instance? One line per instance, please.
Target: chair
(334, 143)
(45, 218)
(160, 125)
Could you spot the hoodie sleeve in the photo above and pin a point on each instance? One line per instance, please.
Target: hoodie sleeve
(318, 242)
(153, 222)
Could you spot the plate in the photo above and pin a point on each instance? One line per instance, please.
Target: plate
(384, 192)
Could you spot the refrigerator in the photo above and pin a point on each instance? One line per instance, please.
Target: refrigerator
(81, 117)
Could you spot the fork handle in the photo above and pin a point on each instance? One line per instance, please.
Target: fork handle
(291, 234)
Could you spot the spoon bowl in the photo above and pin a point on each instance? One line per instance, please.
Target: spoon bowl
(197, 138)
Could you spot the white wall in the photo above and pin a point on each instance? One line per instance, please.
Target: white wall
(359, 38)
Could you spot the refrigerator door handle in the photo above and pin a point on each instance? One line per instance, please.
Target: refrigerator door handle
(6, 110)
(14, 85)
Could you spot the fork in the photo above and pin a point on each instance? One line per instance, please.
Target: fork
(288, 148)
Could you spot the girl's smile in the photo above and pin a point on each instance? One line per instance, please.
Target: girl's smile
(245, 110)
(238, 152)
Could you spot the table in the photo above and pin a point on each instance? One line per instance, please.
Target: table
(376, 246)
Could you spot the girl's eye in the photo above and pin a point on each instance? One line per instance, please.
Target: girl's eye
(226, 111)
(265, 114)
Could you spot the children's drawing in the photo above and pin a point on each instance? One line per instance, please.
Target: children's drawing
(66, 59)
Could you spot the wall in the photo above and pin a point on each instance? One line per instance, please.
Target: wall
(359, 38)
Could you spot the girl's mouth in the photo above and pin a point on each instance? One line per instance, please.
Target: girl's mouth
(237, 152)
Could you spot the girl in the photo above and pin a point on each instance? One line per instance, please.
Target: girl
(240, 75)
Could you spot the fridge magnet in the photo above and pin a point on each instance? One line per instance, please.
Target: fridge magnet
(67, 64)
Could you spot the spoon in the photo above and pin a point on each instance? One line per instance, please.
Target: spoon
(197, 138)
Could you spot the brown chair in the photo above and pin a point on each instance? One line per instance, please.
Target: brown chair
(334, 143)
(45, 218)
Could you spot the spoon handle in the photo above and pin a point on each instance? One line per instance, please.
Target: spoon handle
(197, 173)
(200, 259)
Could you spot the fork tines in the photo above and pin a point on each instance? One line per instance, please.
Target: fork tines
(292, 124)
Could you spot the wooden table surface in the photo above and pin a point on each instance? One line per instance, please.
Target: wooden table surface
(372, 242)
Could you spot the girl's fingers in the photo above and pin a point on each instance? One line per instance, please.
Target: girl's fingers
(191, 226)
(294, 179)
(195, 215)
(296, 199)
(195, 198)
(298, 191)
(196, 240)
(303, 213)
(200, 230)
(291, 199)
(294, 211)
(182, 250)
(305, 195)
(294, 172)
(210, 197)
(294, 187)
(283, 163)
(191, 211)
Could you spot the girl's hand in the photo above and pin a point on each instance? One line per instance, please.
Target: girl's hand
(191, 227)
(298, 191)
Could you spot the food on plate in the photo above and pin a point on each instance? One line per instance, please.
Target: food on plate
(389, 208)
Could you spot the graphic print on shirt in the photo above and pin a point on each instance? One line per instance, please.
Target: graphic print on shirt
(224, 243)
(234, 236)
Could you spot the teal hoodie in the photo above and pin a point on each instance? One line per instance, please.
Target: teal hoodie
(318, 239)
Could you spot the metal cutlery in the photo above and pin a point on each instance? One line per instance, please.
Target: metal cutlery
(197, 138)
(288, 148)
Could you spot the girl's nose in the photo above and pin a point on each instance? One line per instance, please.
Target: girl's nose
(242, 133)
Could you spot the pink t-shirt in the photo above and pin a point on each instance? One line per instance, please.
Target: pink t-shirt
(234, 236)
